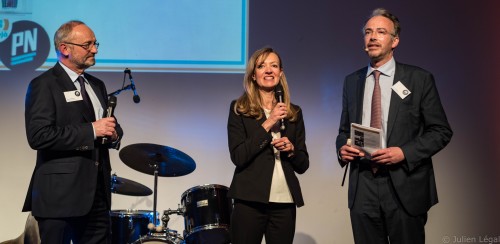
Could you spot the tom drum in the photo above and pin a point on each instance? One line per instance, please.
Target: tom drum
(207, 214)
(129, 225)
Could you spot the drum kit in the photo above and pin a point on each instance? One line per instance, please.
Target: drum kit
(205, 208)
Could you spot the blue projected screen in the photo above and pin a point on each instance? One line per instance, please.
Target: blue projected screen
(149, 35)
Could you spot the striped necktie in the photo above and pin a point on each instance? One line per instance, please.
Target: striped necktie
(376, 118)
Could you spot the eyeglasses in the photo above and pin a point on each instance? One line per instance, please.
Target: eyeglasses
(378, 32)
(87, 46)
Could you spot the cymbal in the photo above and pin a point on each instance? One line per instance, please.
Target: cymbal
(170, 162)
(123, 186)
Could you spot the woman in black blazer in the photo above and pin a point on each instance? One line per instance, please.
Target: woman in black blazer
(266, 138)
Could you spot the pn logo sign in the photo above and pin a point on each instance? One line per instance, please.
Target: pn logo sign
(23, 46)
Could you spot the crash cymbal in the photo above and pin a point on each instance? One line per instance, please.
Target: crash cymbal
(169, 161)
(123, 186)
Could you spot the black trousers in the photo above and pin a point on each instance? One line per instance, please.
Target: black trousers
(250, 221)
(91, 228)
(377, 215)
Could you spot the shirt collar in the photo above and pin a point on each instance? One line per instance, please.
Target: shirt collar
(72, 74)
(387, 69)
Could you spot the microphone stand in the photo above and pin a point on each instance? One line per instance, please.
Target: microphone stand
(120, 90)
(131, 86)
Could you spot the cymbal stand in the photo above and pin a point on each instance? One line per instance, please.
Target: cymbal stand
(113, 182)
(155, 166)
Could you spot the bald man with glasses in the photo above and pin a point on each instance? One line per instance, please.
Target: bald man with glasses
(70, 192)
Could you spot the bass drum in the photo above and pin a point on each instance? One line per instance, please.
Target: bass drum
(207, 214)
(170, 237)
(128, 225)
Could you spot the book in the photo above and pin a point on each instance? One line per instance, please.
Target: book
(365, 138)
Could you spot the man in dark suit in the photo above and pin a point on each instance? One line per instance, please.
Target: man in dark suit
(69, 193)
(389, 195)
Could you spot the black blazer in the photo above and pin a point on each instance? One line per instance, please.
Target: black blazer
(252, 153)
(64, 180)
(417, 124)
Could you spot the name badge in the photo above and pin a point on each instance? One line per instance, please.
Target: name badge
(72, 96)
(401, 90)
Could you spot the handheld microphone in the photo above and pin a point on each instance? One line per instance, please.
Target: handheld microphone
(136, 97)
(278, 92)
(109, 112)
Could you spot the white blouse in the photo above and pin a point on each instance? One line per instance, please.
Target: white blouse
(280, 193)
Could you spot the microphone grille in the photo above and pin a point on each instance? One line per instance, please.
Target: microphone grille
(278, 88)
(136, 98)
(112, 101)
(278, 91)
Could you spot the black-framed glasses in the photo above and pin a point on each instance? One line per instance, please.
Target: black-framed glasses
(86, 46)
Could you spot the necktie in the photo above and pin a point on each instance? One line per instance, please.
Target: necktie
(376, 118)
(85, 96)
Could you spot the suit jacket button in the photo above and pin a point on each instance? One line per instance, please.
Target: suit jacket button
(96, 163)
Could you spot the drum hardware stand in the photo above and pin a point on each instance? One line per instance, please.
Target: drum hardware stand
(165, 218)
(155, 166)
(113, 182)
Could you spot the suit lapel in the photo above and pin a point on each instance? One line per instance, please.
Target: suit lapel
(360, 89)
(395, 100)
(67, 84)
(63, 78)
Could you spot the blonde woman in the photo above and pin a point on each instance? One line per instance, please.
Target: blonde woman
(266, 138)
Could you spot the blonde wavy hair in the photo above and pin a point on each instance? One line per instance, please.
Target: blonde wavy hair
(250, 103)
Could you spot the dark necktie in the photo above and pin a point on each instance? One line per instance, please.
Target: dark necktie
(376, 119)
(85, 96)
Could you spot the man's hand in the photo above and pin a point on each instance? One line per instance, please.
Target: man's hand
(105, 127)
(388, 156)
(348, 153)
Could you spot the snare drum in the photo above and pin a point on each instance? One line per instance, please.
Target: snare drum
(168, 236)
(129, 225)
(207, 214)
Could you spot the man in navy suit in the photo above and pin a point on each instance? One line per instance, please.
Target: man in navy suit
(70, 192)
(389, 195)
